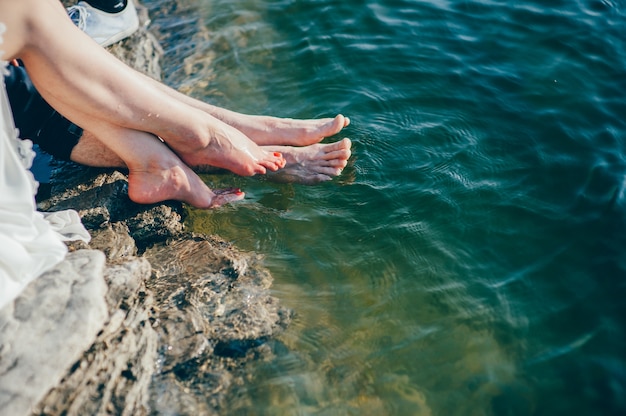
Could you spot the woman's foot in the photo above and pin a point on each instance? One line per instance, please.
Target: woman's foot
(314, 163)
(228, 148)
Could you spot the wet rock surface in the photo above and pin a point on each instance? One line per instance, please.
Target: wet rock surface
(146, 318)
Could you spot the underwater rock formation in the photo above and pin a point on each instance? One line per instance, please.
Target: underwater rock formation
(144, 319)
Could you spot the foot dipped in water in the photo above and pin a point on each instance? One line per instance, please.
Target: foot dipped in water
(159, 175)
(179, 184)
(266, 131)
(312, 164)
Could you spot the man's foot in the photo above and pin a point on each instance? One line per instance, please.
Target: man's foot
(312, 164)
(267, 131)
(105, 28)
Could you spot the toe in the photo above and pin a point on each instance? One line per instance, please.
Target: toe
(335, 125)
(225, 196)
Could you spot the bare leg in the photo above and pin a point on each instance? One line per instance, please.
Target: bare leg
(91, 151)
(227, 149)
(307, 164)
(155, 173)
(86, 84)
(265, 130)
(176, 182)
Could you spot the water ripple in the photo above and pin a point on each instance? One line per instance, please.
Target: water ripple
(472, 255)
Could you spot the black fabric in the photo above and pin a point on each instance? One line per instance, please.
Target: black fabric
(109, 6)
(36, 119)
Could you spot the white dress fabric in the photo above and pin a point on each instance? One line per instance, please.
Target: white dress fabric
(30, 243)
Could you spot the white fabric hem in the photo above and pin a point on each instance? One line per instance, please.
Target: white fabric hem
(31, 242)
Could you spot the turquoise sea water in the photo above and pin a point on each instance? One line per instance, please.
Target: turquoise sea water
(471, 260)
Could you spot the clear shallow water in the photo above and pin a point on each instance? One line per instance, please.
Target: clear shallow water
(471, 259)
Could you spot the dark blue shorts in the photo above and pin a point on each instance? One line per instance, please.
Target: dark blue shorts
(36, 119)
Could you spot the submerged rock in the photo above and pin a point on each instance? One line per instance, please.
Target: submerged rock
(146, 318)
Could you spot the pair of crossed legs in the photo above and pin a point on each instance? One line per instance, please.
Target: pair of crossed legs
(161, 175)
(154, 131)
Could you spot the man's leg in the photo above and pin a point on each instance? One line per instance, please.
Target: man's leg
(311, 164)
(63, 140)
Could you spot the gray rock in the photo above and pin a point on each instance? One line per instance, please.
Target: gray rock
(214, 313)
(101, 198)
(48, 328)
(184, 318)
(115, 241)
(114, 373)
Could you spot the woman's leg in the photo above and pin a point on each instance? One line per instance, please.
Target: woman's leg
(265, 130)
(86, 83)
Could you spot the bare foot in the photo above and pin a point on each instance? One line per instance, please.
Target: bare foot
(230, 149)
(177, 183)
(156, 174)
(314, 163)
(266, 131)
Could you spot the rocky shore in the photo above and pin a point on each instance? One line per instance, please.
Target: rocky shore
(145, 319)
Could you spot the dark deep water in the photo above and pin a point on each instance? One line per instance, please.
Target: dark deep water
(471, 260)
